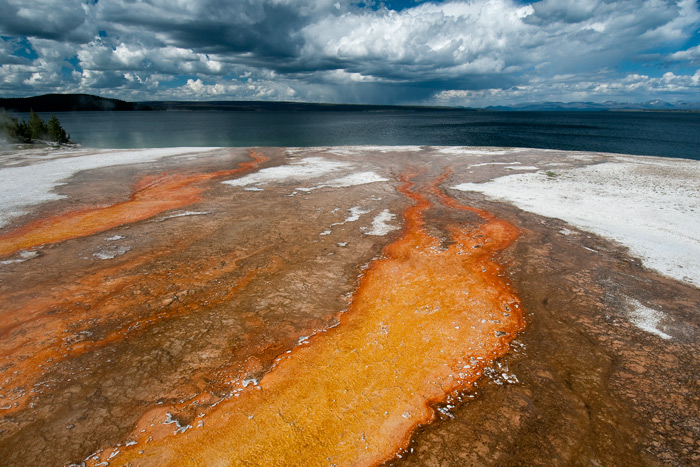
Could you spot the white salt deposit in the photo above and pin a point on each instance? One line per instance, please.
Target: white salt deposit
(183, 214)
(299, 150)
(471, 151)
(360, 178)
(355, 213)
(357, 150)
(111, 252)
(651, 205)
(647, 319)
(169, 419)
(302, 169)
(22, 187)
(494, 163)
(354, 216)
(24, 255)
(380, 224)
(566, 232)
(522, 167)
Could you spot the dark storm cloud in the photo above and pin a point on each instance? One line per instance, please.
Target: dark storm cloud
(258, 27)
(64, 20)
(462, 52)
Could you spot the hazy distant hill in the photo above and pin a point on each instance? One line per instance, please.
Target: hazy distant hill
(68, 103)
(608, 105)
(258, 106)
(87, 102)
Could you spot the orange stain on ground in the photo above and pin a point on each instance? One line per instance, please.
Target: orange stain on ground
(40, 334)
(55, 324)
(424, 323)
(153, 195)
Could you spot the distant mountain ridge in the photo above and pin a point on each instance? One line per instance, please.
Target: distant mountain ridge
(68, 103)
(255, 106)
(607, 105)
(87, 102)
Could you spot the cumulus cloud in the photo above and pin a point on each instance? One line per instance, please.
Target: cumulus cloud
(691, 55)
(13, 52)
(576, 88)
(196, 89)
(47, 19)
(426, 43)
(461, 51)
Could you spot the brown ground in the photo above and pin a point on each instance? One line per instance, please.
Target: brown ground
(197, 305)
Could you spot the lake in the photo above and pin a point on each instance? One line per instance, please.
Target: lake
(668, 134)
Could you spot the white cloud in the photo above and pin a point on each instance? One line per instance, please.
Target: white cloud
(460, 51)
(691, 55)
(573, 88)
(264, 90)
(428, 41)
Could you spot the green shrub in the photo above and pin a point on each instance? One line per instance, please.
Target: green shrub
(11, 128)
(35, 128)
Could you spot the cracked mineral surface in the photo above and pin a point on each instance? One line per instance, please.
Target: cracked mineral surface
(348, 306)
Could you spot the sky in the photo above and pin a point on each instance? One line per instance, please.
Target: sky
(472, 53)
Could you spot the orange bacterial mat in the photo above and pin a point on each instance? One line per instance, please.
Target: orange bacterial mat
(424, 323)
(153, 195)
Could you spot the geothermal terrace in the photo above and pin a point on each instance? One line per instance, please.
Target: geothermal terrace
(348, 306)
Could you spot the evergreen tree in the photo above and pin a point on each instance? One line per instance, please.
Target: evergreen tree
(24, 132)
(8, 125)
(56, 132)
(21, 131)
(37, 127)
(14, 130)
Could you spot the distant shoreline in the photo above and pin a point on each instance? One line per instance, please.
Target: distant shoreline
(91, 103)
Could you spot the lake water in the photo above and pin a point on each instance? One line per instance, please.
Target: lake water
(646, 133)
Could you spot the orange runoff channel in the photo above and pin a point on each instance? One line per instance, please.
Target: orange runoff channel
(41, 335)
(424, 323)
(153, 195)
(35, 336)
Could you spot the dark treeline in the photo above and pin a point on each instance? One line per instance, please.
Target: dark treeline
(34, 129)
(68, 103)
(272, 106)
(87, 103)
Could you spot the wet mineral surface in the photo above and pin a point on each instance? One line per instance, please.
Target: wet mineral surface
(330, 306)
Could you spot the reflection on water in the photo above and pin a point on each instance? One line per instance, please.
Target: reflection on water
(647, 133)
